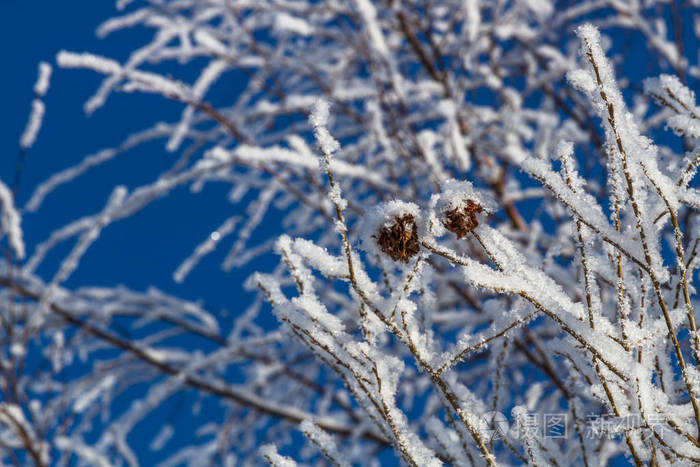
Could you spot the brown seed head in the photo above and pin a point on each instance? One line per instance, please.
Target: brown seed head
(400, 239)
(461, 220)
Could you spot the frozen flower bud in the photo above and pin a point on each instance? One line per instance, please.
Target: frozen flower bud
(455, 209)
(462, 218)
(392, 228)
(400, 239)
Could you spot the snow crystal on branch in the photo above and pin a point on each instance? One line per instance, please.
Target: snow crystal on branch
(319, 258)
(85, 60)
(31, 131)
(86, 399)
(42, 83)
(670, 92)
(374, 30)
(204, 248)
(458, 145)
(136, 80)
(287, 22)
(122, 22)
(325, 443)
(70, 263)
(36, 115)
(633, 157)
(11, 221)
(328, 145)
(207, 40)
(668, 86)
(319, 121)
(208, 76)
(85, 452)
(269, 452)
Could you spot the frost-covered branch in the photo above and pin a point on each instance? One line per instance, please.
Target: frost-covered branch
(502, 228)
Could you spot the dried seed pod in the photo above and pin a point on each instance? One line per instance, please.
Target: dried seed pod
(400, 239)
(462, 219)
